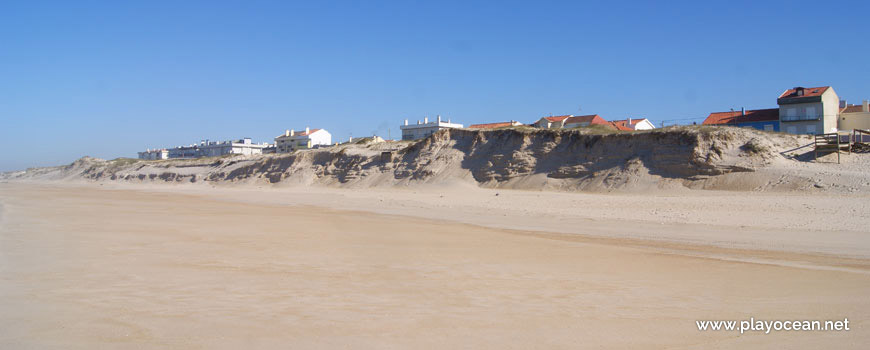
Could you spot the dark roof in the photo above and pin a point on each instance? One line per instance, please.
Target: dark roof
(737, 117)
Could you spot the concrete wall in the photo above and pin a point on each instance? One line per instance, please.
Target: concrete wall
(832, 110)
(644, 125)
(321, 138)
(857, 120)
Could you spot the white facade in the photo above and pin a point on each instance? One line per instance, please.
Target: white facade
(154, 154)
(635, 123)
(423, 130)
(243, 146)
(809, 110)
(292, 140)
(855, 117)
(206, 149)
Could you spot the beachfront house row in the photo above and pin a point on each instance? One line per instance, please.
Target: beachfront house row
(854, 116)
(808, 110)
(569, 121)
(206, 148)
(243, 146)
(495, 125)
(154, 154)
(311, 138)
(422, 130)
(633, 124)
(761, 119)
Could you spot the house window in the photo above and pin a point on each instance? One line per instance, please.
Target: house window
(811, 112)
(768, 127)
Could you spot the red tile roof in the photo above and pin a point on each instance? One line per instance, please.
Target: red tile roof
(621, 124)
(808, 92)
(591, 119)
(558, 118)
(852, 109)
(735, 117)
(490, 125)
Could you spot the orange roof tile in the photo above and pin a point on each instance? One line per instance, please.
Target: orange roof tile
(558, 118)
(591, 119)
(852, 109)
(808, 92)
(734, 117)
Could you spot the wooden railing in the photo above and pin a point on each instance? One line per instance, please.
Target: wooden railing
(831, 141)
(861, 140)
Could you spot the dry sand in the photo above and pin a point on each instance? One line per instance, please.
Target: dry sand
(85, 267)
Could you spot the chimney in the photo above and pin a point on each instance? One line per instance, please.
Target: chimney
(865, 107)
(292, 132)
(799, 91)
(406, 121)
(742, 111)
(629, 122)
(439, 119)
(286, 132)
(306, 130)
(425, 120)
(843, 104)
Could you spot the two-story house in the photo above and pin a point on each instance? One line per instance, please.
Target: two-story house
(808, 110)
(292, 140)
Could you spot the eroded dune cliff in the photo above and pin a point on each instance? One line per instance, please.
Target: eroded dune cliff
(692, 157)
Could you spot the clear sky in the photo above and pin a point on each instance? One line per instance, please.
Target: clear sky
(109, 78)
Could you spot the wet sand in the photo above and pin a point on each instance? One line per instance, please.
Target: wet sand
(85, 268)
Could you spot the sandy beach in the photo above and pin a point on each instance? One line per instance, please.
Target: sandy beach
(164, 267)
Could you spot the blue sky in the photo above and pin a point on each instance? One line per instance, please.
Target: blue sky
(109, 78)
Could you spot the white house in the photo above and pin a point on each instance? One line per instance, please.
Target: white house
(855, 116)
(154, 154)
(633, 124)
(808, 110)
(419, 131)
(292, 140)
(243, 146)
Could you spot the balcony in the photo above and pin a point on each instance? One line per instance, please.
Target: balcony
(800, 118)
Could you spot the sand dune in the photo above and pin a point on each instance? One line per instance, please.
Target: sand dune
(91, 267)
(717, 158)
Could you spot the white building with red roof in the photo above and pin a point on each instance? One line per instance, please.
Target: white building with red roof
(633, 124)
(855, 116)
(808, 110)
(292, 140)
